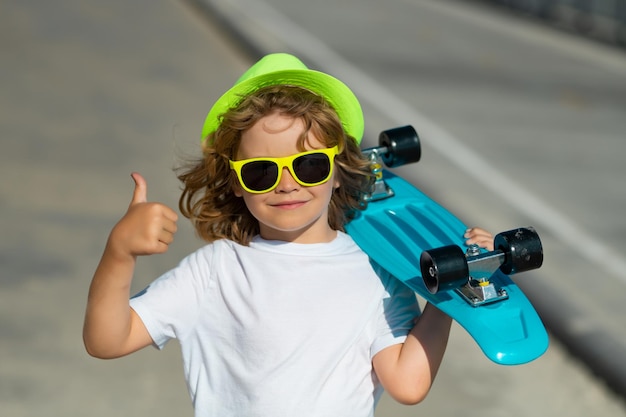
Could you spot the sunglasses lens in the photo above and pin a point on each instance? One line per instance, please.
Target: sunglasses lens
(259, 175)
(312, 168)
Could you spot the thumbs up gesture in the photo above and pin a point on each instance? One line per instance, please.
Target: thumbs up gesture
(146, 228)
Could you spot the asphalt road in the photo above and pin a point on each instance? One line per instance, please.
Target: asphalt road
(94, 90)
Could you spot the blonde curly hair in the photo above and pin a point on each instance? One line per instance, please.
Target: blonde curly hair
(208, 198)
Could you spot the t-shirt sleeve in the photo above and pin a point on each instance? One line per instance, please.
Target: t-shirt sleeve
(398, 310)
(169, 307)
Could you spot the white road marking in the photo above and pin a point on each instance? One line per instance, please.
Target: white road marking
(577, 47)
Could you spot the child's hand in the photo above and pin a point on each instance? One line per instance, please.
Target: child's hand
(480, 237)
(146, 228)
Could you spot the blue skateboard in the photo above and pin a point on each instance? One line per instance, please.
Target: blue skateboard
(421, 243)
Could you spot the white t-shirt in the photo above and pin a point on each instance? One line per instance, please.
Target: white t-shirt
(279, 329)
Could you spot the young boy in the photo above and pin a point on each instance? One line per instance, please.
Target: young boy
(280, 313)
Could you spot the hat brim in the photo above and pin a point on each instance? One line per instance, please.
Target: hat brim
(335, 92)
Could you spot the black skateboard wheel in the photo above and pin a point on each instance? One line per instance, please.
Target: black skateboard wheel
(522, 249)
(403, 146)
(444, 268)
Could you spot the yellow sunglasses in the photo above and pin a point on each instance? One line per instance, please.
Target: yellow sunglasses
(310, 168)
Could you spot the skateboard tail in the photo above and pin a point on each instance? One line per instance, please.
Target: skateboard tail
(512, 332)
(508, 332)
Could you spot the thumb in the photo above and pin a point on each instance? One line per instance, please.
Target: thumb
(140, 194)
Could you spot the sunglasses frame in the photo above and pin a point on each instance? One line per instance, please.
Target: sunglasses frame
(285, 162)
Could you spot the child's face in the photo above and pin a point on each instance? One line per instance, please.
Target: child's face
(290, 212)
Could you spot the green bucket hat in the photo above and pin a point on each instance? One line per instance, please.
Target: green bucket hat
(285, 69)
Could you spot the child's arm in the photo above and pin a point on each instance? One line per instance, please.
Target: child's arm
(407, 370)
(112, 329)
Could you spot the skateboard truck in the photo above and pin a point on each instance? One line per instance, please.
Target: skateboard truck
(397, 147)
(479, 290)
(469, 273)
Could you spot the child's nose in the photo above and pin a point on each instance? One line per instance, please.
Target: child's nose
(287, 183)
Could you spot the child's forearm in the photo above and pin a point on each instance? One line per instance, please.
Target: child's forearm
(427, 342)
(108, 318)
(408, 370)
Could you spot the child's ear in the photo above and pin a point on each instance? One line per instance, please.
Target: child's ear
(237, 190)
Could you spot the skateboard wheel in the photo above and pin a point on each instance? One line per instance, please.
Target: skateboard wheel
(403, 146)
(522, 249)
(444, 268)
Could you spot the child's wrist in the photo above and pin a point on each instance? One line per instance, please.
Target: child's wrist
(116, 253)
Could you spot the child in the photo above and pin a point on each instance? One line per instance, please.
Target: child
(280, 314)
